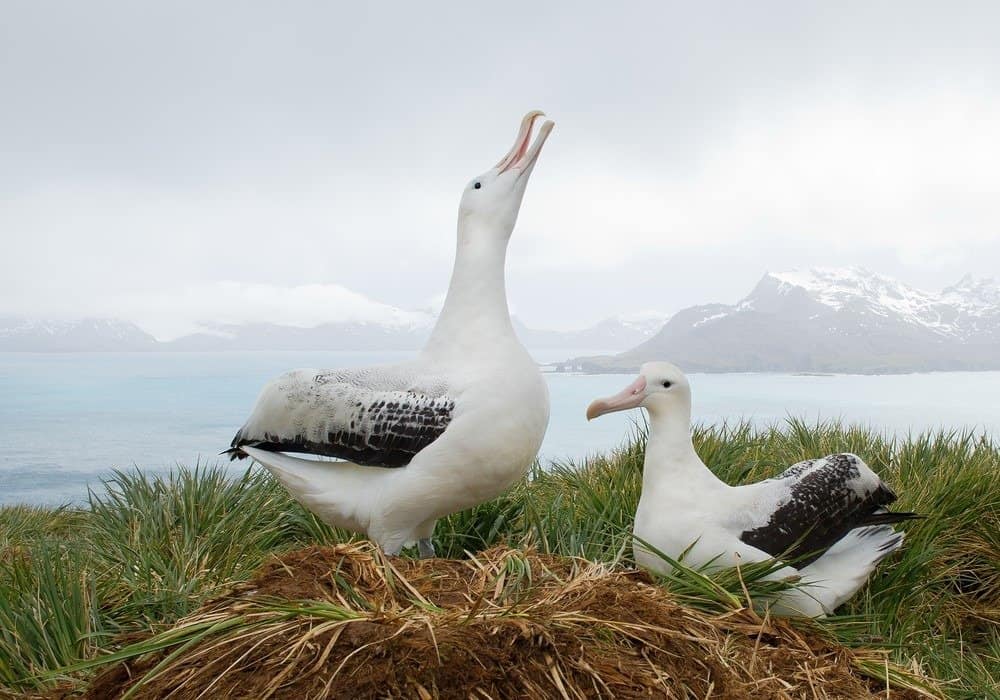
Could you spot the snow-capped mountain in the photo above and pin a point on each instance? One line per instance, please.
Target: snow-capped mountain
(830, 320)
(90, 334)
(398, 331)
(952, 313)
(611, 334)
(975, 297)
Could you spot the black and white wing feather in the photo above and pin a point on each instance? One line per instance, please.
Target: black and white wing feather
(377, 416)
(815, 503)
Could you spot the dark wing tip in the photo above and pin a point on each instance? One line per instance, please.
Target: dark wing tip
(888, 517)
(891, 543)
(234, 450)
(234, 453)
(884, 495)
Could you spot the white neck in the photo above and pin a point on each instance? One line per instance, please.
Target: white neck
(670, 455)
(475, 310)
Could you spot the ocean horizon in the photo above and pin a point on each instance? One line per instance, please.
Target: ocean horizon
(68, 420)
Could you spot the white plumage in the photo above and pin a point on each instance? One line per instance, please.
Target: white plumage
(421, 439)
(826, 517)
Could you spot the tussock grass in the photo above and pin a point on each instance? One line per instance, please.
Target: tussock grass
(147, 551)
(49, 612)
(166, 542)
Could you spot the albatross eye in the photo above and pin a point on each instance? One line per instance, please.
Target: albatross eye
(666, 385)
(478, 185)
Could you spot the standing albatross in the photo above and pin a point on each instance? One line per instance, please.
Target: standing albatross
(825, 517)
(421, 439)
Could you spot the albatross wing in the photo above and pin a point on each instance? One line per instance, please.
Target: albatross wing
(376, 416)
(814, 504)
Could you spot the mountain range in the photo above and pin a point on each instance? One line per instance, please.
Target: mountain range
(828, 320)
(82, 335)
(101, 335)
(817, 320)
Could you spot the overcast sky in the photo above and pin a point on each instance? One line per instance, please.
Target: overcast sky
(176, 162)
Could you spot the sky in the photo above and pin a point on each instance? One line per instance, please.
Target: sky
(176, 163)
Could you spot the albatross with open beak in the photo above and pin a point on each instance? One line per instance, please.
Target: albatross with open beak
(422, 439)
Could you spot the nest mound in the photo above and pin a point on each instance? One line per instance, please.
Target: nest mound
(346, 621)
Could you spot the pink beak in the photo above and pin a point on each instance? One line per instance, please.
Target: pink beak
(521, 157)
(631, 396)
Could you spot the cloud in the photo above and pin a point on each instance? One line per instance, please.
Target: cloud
(146, 154)
(916, 175)
(171, 313)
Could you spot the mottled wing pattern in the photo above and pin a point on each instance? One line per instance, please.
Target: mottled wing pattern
(821, 501)
(378, 417)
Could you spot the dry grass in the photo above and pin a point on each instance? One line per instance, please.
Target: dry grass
(345, 621)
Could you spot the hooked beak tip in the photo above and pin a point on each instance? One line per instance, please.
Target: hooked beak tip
(596, 409)
(522, 155)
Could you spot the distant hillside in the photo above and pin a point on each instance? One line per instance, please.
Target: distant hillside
(616, 332)
(828, 320)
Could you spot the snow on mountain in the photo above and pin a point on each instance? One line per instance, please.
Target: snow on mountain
(857, 287)
(975, 297)
(52, 335)
(823, 319)
(948, 313)
(387, 331)
(647, 322)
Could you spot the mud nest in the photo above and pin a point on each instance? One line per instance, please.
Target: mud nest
(347, 622)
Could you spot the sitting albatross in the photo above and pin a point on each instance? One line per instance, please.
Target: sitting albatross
(826, 517)
(443, 432)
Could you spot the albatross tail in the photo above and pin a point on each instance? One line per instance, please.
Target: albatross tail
(835, 577)
(846, 566)
(340, 493)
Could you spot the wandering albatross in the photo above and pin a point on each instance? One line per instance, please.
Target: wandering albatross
(421, 439)
(826, 517)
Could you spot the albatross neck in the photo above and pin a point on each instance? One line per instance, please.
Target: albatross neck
(475, 310)
(670, 453)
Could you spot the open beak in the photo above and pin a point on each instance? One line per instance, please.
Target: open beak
(521, 157)
(629, 397)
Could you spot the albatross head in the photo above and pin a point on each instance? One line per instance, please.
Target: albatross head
(492, 200)
(661, 389)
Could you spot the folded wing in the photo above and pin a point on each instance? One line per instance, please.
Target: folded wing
(816, 503)
(378, 417)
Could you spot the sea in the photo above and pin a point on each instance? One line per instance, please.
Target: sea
(68, 420)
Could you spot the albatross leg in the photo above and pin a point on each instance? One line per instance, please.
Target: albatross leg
(392, 545)
(424, 532)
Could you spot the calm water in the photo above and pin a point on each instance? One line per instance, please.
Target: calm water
(66, 420)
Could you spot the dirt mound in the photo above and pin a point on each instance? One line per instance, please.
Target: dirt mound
(347, 622)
